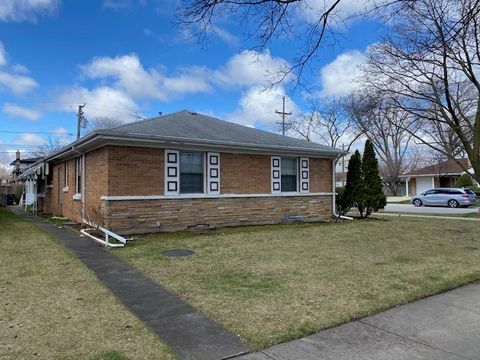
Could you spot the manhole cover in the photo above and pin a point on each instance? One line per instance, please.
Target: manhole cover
(178, 252)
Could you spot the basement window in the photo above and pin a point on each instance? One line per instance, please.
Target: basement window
(289, 174)
(192, 172)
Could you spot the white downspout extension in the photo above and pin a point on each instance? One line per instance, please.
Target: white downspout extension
(334, 192)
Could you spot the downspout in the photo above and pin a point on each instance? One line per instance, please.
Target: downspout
(334, 192)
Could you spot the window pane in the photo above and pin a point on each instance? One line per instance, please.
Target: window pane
(289, 183)
(289, 166)
(191, 172)
(289, 174)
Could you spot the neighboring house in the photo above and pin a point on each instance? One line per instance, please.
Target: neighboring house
(443, 174)
(184, 170)
(340, 179)
(19, 165)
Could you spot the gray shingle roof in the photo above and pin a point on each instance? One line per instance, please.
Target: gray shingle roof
(198, 127)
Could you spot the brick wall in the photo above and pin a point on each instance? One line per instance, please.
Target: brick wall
(96, 177)
(321, 175)
(62, 202)
(141, 216)
(244, 174)
(135, 171)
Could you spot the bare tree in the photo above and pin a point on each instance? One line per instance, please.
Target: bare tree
(5, 173)
(386, 127)
(53, 144)
(104, 123)
(329, 122)
(268, 20)
(430, 66)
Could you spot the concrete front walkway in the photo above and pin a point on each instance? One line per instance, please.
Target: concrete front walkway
(190, 334)
(441, 327)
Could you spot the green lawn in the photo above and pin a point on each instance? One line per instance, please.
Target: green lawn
(276, 283)
(52, 307)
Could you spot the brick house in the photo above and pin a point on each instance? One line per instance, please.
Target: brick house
(443, 174)
(186, 169)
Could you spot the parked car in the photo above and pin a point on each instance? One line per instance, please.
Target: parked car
(450, 197)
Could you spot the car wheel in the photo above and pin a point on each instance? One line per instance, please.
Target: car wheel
(453, 204)
(417, 202)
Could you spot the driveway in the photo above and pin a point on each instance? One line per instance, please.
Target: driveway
(410, 209)
(440, 327)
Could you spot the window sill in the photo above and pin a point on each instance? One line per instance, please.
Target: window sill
(77, 197)
(65, 189)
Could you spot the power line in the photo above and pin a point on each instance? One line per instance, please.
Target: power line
(35, 132)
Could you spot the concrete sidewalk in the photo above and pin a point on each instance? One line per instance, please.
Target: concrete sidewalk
(440, 327)
(189, 333)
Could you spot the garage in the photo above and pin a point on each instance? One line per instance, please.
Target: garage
(424, 183)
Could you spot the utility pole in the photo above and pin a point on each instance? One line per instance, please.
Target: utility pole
(80, 120)
(284, 115)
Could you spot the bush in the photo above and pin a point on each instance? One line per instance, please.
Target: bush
(464, 181)
(342, 204)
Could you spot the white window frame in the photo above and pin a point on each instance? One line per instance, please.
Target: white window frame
(304, 172)
(172, 172)
(213, 173)
(78, 173)
(276, 174)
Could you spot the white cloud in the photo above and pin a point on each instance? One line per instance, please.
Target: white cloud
(3, 55)
(14, 79)
(18, 84)
(19, 111)
(26, 10)
(129, 75)
(338, 77)
(257, 107)
(101, 102)
(60, 131)
(225, 35)
(250, 68)
(30, 139)
(311, 10)
(122, 5)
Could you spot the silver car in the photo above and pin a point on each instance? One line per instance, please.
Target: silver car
(451, 197)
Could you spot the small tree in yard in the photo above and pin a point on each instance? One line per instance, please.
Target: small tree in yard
(374, 198)
(464, 181)
(354, 189)
(342, 204)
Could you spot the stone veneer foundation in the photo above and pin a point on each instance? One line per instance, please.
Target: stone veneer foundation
(146, 216)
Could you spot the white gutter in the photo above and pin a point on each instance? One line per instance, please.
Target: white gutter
(334, 192)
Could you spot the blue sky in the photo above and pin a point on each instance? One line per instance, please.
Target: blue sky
(125, 57)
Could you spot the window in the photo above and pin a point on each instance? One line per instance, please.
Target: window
(78, 175)
(289, 174)
(65, 180)
(191, 172)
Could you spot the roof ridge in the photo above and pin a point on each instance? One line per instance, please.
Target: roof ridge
(149, 119)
